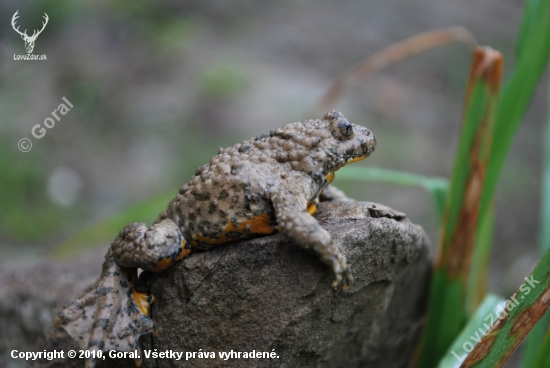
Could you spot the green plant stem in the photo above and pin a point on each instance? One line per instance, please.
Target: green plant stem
(437, 187)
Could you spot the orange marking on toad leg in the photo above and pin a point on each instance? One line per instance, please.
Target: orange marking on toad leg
(142, 300)
(184, 251)
(167, 262)
(262, 224)
(330, 177)
(162, 265)
(312, 208)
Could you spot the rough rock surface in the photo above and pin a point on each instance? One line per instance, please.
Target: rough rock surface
(268, 295)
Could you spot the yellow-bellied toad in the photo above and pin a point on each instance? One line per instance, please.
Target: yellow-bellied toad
(261, 186)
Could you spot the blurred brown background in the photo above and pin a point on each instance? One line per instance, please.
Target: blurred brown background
(158, 86)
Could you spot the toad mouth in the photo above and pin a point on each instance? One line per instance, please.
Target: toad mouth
(351, 159)
(355, 158)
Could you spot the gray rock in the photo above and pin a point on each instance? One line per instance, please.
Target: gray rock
(266, 295)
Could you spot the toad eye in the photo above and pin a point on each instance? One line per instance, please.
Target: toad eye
(345, 128)
(342, 130)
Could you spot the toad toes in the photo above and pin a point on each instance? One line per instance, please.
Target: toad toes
(268, 184)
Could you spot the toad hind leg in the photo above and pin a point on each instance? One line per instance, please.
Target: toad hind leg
(112, 315)
(294, 219)
(107, 316)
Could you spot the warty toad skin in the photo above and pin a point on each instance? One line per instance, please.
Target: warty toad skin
(267, 184)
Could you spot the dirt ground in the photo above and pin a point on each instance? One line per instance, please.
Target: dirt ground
(157, 87)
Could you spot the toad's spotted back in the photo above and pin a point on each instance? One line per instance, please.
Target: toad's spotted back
(263, 185)
(248, 188)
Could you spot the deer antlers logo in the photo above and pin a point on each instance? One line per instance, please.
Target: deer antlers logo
(29, 40)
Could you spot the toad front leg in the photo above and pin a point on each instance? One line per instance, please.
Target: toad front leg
(293, 212)
(112, 315)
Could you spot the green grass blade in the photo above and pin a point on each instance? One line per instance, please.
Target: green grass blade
(532, 346)
(437, 187)
(526, 26)
(518, 91)
(479, 270)
(447, 311)
(106, 231)
(524, 309)
(482, 319)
